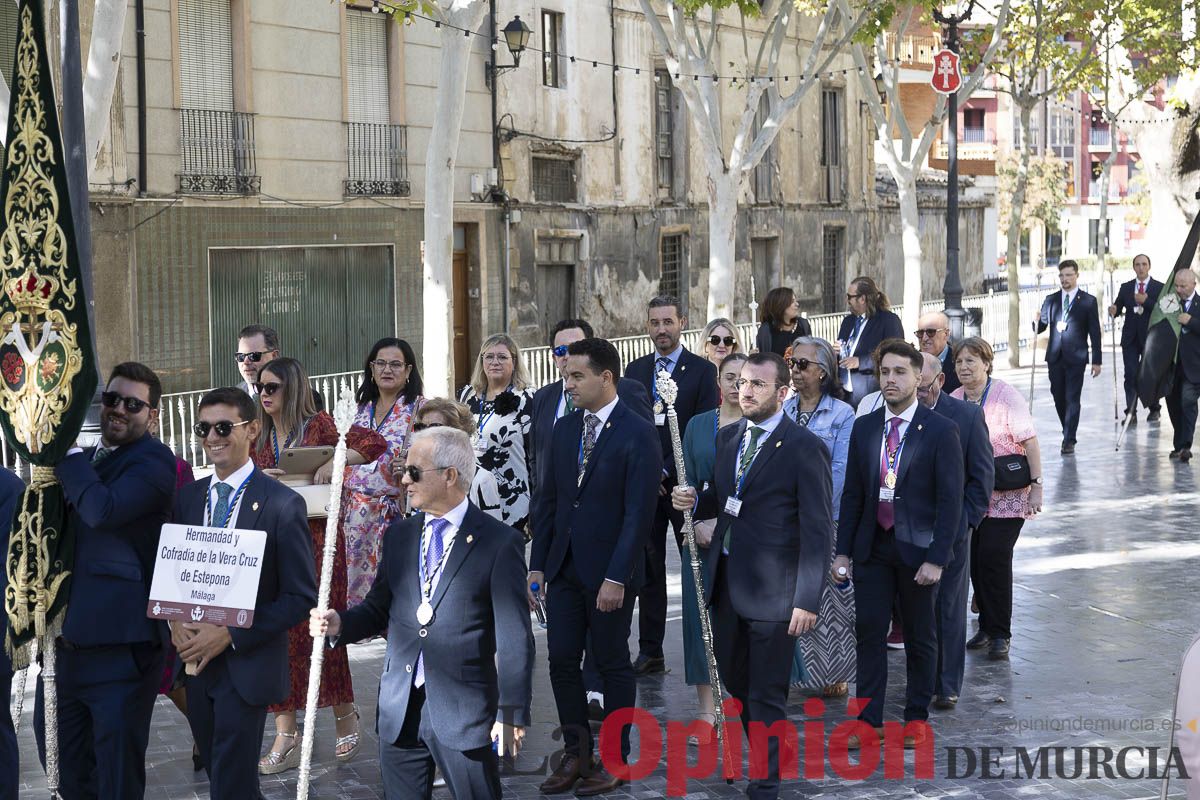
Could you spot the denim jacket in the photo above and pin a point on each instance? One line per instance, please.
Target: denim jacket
(831, 422)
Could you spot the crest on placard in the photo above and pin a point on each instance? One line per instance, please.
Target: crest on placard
(667, 389)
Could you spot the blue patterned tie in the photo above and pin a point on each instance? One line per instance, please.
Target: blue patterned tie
(224, 490)
(663, 364)
(437, 527)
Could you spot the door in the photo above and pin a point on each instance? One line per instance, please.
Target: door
(764, 260)
(462, 344)
(556, 294)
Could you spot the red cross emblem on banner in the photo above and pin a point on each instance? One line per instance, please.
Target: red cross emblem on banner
(947, 78)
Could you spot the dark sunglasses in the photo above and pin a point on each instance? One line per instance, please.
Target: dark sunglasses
(801, 363)
(414, 473)
(424, 426)
(560, 351)
(267, 389)
(253, 358)
(132, 404)
(852, 296)
(223, 428)
(728, 341)
(927, 333)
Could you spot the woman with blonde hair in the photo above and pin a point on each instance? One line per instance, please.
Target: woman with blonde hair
(440, 412)
(719, 339)
(499, 396)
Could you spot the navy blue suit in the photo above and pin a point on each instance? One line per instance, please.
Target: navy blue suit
(879, 326)
(1185, 389)
(477, 651)
(778, 557)
(1133, 334)
(952, 382)
(980, 474)
(11, 489)
(928, 523)
(585, 532)
(227, 701)
(1067, 352)
(696, 379)
(110, 656)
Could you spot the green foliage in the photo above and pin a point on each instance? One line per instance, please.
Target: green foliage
(1045, 191)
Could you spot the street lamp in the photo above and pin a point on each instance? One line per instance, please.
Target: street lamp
(951, 15)
(516, 37)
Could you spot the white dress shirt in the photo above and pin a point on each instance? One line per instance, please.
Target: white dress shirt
(455, 518)
(906, 415)
(235, 481)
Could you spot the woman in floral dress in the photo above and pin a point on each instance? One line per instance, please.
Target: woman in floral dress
(290, 419)
(499, 397)
(388, 398)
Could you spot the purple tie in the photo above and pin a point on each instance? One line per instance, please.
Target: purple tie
(885, 515)
(437, 527)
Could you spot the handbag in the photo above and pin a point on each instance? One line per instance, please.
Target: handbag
(1012, 472)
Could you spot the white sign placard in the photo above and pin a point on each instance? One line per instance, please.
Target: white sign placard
(204, 574)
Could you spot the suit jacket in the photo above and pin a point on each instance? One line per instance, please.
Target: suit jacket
(117, 508)
(1133, 334)
(1188, 358)
(544, 406)
(979, 463)
(929, 489)
(780, 540)
(287, 586)
(478, 653)
(879, 326)
(1083, 323)
(952, 381)
(696, 378)
(605, 518)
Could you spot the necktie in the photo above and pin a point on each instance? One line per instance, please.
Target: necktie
(663, 364)
(744, 463)
(570, 406)
(885, 514)
(590, 423)
(101, 454)
(1141, 287)
(224, 490)
(433, 555)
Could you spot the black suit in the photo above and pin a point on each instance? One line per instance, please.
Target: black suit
(778, 557)
(1185, 390)
(11, 488)
(928, 519)
(110, 656)
(696, 378)
(1133, 334)
(227, 701)
(980, 474)
(584, 533)
(1067, 352)
(877, 327)
(477, 653)
(952, 381)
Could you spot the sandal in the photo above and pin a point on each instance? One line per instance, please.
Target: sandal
(350, 740)
(836, 690)
(275, 762)
(704, 739)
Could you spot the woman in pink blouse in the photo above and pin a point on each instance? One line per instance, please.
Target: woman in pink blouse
(1010, 426)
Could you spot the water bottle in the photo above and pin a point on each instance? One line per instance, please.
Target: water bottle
(539, 604)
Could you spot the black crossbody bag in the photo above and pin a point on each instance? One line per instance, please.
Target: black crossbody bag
(1012, 472)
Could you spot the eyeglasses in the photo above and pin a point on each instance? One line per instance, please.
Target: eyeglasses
(801, 363)
(414, 473)
(253, 358)
(928, 333)
(223, 428)
(852, 296)
(496, 358)
(754, 384)
(267, 389)
(560, 351)
(728, 341)
(424, 426)
(132, 404)
(394, 366)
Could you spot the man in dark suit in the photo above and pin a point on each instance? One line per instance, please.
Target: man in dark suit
(242, 670)
(11, 489)
(591, 516)
(450, 594)
(696, 378)
(773, 499)
(868, 323)
(1073, 318)
(933, 337)
(551, 403)
(979, 469)
(258, 345)
(1135, 300)
(900, 519)
(109, 655)
(1185, 389)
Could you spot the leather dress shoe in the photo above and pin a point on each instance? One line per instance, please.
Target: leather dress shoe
(568, 773)
(1185, 456)
(998, 650)
(599, 782)
(921, 733)
(649, 665)
(595, 711)
(1155, 416)
(1173, 455)
(946, 703)
(856, 742)
(1067, 448)
(979, 641)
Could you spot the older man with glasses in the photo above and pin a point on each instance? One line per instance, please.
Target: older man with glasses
(933, 337)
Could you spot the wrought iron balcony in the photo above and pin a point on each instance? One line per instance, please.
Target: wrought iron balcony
(377, 160)
(217, 152)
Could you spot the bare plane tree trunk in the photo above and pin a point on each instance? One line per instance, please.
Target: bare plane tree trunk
(1017, 206)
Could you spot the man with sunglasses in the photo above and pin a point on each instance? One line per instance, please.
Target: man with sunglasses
(110, 655)
(242, 670)
(258, 345)
(933, 337)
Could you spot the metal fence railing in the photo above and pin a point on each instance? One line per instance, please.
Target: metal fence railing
(217, 152)
(377, 160)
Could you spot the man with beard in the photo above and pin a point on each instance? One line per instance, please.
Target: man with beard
(110, 655)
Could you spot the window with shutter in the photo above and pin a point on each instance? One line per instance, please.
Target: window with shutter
(664, 132)
(832, 144)
(367, 67)
(8, 40)
(206, 55)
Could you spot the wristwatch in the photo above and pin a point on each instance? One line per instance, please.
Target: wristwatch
(1038, 481)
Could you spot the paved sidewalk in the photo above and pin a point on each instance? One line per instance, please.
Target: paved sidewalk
(1103, 608)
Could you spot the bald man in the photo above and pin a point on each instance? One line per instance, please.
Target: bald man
(933, 337)
(1185, 391)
